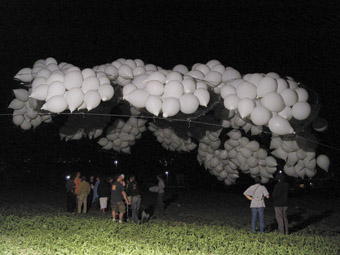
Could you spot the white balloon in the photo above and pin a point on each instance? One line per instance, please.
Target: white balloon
(154, 104)
(155, 87)
(253, 146)
(230, 74)
(202, 68)
(255, 78)
(213, 78)
(138, 70)
(170, 107)
(245, 107)
(189, 103)
(302, 94)
(290, 97)
(44, 72)
(203, 96)
(292, 84)
(56, 104)
(125, 71)
(266, 85)
(260, 115)
(301, 110)
(231, 102)
(173, 89)
(174, 76)
(150, 67)
(75, 98)
(281, 85)
(227, 90)
(73, 79)
(246, 90)
(56, 88)
(271, 161)
(280, 126)
(18, 120)
(26, 125)
(155, 76)
(106, 92)
(273, 102)
(200, 84)
(57, 76)
(16, 104)
(40, 92)
(137, 98)
(189, 86)
(323, 162)
(88, 72)
(92, 99)
(181, 69)
(286, 113)
(24, 75)
(196, 74)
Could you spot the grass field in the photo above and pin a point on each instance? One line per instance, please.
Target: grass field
(35, 222)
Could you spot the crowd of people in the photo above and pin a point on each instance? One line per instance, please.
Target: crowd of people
(84, 193)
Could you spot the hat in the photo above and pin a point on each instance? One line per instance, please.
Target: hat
(123, 176)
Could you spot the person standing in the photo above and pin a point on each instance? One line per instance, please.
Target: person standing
(280, 196)
(134, 192)
(90, 197)
(76, 181)
(117, 196)
(103, 194)
(70, 199)
(159, 208)
(83, 191)
(256, 194)
(95, 192)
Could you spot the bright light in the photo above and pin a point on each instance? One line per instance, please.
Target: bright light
(67, 177)
(166, 172)
(115, 162)
(280, 172)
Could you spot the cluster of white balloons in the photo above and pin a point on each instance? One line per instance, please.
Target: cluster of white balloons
(24, 114)
(93, 134)
(299, 163)
(238, 153)
(170, 141)
(122, 135)
(253, 101)
(64, 86)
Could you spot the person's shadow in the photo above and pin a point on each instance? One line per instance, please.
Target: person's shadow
(297, 219)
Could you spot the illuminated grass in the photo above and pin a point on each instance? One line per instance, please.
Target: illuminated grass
(61, 233)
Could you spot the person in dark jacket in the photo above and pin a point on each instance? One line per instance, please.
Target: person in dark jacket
(103, 191)
(134, 192)
(280, 196)
(71, 202)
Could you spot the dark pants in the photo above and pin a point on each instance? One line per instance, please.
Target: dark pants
(71, 203)
(282, 220)
(160, 204)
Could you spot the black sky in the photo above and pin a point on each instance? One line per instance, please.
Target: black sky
(300, 39)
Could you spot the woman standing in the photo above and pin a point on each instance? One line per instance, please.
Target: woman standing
(103, 191)
(256, 194)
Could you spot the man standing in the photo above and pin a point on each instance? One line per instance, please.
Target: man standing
(83, 191)
(134, 193)
(117, 196)
(71, 203)
(256, 194)
(280, 195)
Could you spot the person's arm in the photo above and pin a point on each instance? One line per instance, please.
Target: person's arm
(125, 198)
(248, 197)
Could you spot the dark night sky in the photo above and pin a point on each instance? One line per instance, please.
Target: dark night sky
(300, 39)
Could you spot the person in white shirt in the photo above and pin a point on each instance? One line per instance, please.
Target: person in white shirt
(256, 194)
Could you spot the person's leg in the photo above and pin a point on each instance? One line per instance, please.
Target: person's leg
(138, 207)
(114, 207)
(85, 204)
(121, 208)
(285, 219)
(261, 216)
(253, 219)
(80, 203)
(134, 208)
(279, 219)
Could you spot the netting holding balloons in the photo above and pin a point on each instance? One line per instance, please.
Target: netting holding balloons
(213, 108)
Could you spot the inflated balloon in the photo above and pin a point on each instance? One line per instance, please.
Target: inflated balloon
(92, 99)
(56, 104)
(156, 76)
(290, 97)
(56, 88)
(260, 115)
(266, 85)
(231, 102)
(280, 126)
(90, 83)
(230, 74)
(106, 92)
(88, 72)
(323, 162)
(24, 75)
(301, 110)
(189, 86)
(137, 98)
(181, 69)
(273, 102)
(73, 79)
(75, 98)
(302, 94)
(173, 89)
(203, 96)
(56, 76)
(154, 87)
(21, 94)
(245, 107)
(213, 78)
(40, 92)
(154, 104)
(189, 103)
(16, 104)
(246, 90)
(125, 71)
